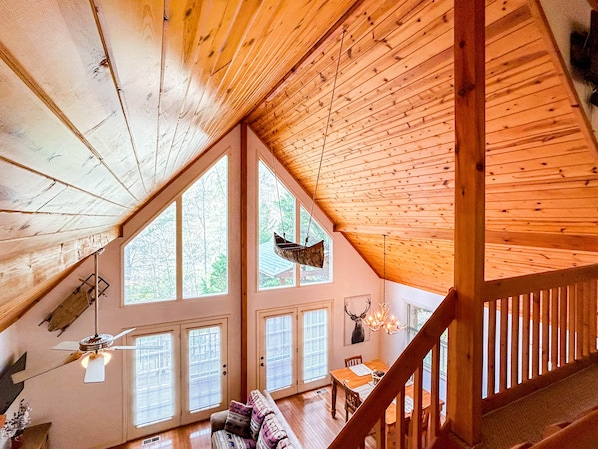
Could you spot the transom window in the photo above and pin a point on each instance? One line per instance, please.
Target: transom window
(183, 252)
(280, 212)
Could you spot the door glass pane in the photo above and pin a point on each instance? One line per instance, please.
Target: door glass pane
(153, 389)
(315, 345)
(279, 352)
(205, 387)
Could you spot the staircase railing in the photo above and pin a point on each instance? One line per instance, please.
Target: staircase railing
(372, 413)
(540, 329)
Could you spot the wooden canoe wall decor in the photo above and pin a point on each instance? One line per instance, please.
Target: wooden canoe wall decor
(305, 255)
(75, 304)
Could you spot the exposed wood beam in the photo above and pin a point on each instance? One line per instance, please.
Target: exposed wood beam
(38, 272)
(466, 332)
(534, 239)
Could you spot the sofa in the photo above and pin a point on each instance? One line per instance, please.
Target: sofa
(256, 424)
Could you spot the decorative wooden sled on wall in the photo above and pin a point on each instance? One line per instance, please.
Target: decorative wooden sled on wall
(75, 304)
(304, 255)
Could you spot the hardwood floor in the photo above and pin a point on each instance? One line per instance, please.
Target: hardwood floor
(308, 414)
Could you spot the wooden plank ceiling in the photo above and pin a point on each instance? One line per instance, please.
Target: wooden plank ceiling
(102, 102)
(388, 162)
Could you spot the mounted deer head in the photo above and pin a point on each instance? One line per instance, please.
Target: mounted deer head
(358, 334)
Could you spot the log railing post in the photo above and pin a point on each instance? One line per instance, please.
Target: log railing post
(466, 332)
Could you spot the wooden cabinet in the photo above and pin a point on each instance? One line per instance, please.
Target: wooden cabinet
(36, 437)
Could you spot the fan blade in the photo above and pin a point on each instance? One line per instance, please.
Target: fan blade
(29, 373)
(123, 333)
(95, 369)
(67, 346)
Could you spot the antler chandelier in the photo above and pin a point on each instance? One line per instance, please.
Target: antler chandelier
(383, 319)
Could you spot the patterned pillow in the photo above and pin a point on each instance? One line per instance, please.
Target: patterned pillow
(229, 440)
(261, 408)
(270, 433)
(238, 419)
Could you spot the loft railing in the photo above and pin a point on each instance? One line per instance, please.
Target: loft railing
(372, 413)
(540, 329)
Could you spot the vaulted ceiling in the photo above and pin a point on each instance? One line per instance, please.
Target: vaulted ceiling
(102, 102)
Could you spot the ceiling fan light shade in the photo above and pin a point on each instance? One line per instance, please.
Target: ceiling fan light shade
(95, 370)
(106, 356)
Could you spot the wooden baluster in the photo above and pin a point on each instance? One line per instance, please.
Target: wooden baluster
(435, 407)
(585, 349)
(491, 381)
(415, 436)
(563, 325)
(554, 328)
(592, 292)
(572, 297)
(536, 335)
(504, 335)
(514, 341)
(545, 329)
(525, 338)
(579, 322)
(380, 432)
(400, 425)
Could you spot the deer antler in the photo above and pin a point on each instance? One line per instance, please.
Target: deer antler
(366, 309)
(362, 315)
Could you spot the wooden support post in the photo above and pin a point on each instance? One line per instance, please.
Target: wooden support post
(466, 332)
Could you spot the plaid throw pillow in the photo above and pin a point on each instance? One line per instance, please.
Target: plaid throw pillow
(270, 433)
(238, 419)
(261, 408)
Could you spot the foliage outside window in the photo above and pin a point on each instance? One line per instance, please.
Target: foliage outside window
(313, 275)
(277, 213)
(150, 261)
(417, 317)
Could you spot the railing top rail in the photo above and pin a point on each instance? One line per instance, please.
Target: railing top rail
(394, 380)
(502, 288)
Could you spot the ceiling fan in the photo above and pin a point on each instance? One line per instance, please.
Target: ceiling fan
(93, 351)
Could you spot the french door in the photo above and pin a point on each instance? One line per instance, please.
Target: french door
(293, 348)
(181, 379)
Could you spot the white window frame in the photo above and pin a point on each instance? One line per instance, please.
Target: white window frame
(298, 205)
(178, 199)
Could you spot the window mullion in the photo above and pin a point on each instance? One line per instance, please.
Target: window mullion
(179, 247)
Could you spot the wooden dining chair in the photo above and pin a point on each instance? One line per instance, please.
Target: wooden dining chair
(354, 360)
(352, 401)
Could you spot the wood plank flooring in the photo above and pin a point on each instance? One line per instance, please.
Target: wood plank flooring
(308, 414)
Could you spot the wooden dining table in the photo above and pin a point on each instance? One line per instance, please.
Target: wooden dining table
(342, 375)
